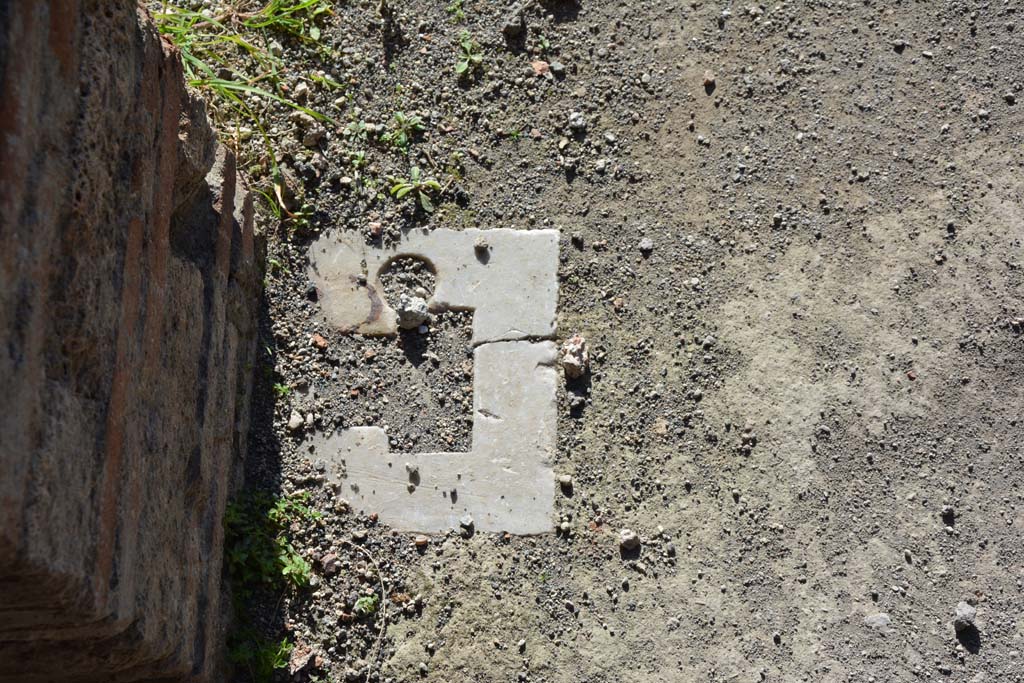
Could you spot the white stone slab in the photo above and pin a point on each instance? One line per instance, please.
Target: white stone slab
(511, 285)
(505, 482)
(508, 279)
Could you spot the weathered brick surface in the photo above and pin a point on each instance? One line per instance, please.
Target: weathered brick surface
(128, 292)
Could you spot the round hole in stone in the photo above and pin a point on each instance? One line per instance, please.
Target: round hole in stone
(409, 275)
(408, 283)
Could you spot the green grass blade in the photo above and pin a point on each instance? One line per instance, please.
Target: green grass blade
(235, 86)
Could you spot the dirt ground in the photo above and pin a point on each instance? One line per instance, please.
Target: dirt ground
(806, 390)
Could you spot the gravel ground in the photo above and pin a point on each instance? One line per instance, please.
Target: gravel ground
(792, 239)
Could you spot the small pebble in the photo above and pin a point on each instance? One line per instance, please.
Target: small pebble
(965, 615)
(412, 312)
(877, 621)
(575, 357)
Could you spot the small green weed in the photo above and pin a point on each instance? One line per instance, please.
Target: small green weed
(258, 552)
(326, 81)
(210, 48)
(357, 159)
(300, 219)
(294, 568)
(455, 168)
(295, 17)
(366, 605)
(471, 56)
(277, 266)
(272, 205)
(403, 128)
(282, 390)
(456, 11)
(416, 185)
(260, 656)
(294, 221)
(357, 130)
(228, 58)
(258, 549)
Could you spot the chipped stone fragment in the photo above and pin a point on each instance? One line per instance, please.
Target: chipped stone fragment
(628, 539)
(412, 312)
(575, 357)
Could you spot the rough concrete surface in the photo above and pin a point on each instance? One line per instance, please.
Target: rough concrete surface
(128, 291)
(791, 236)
